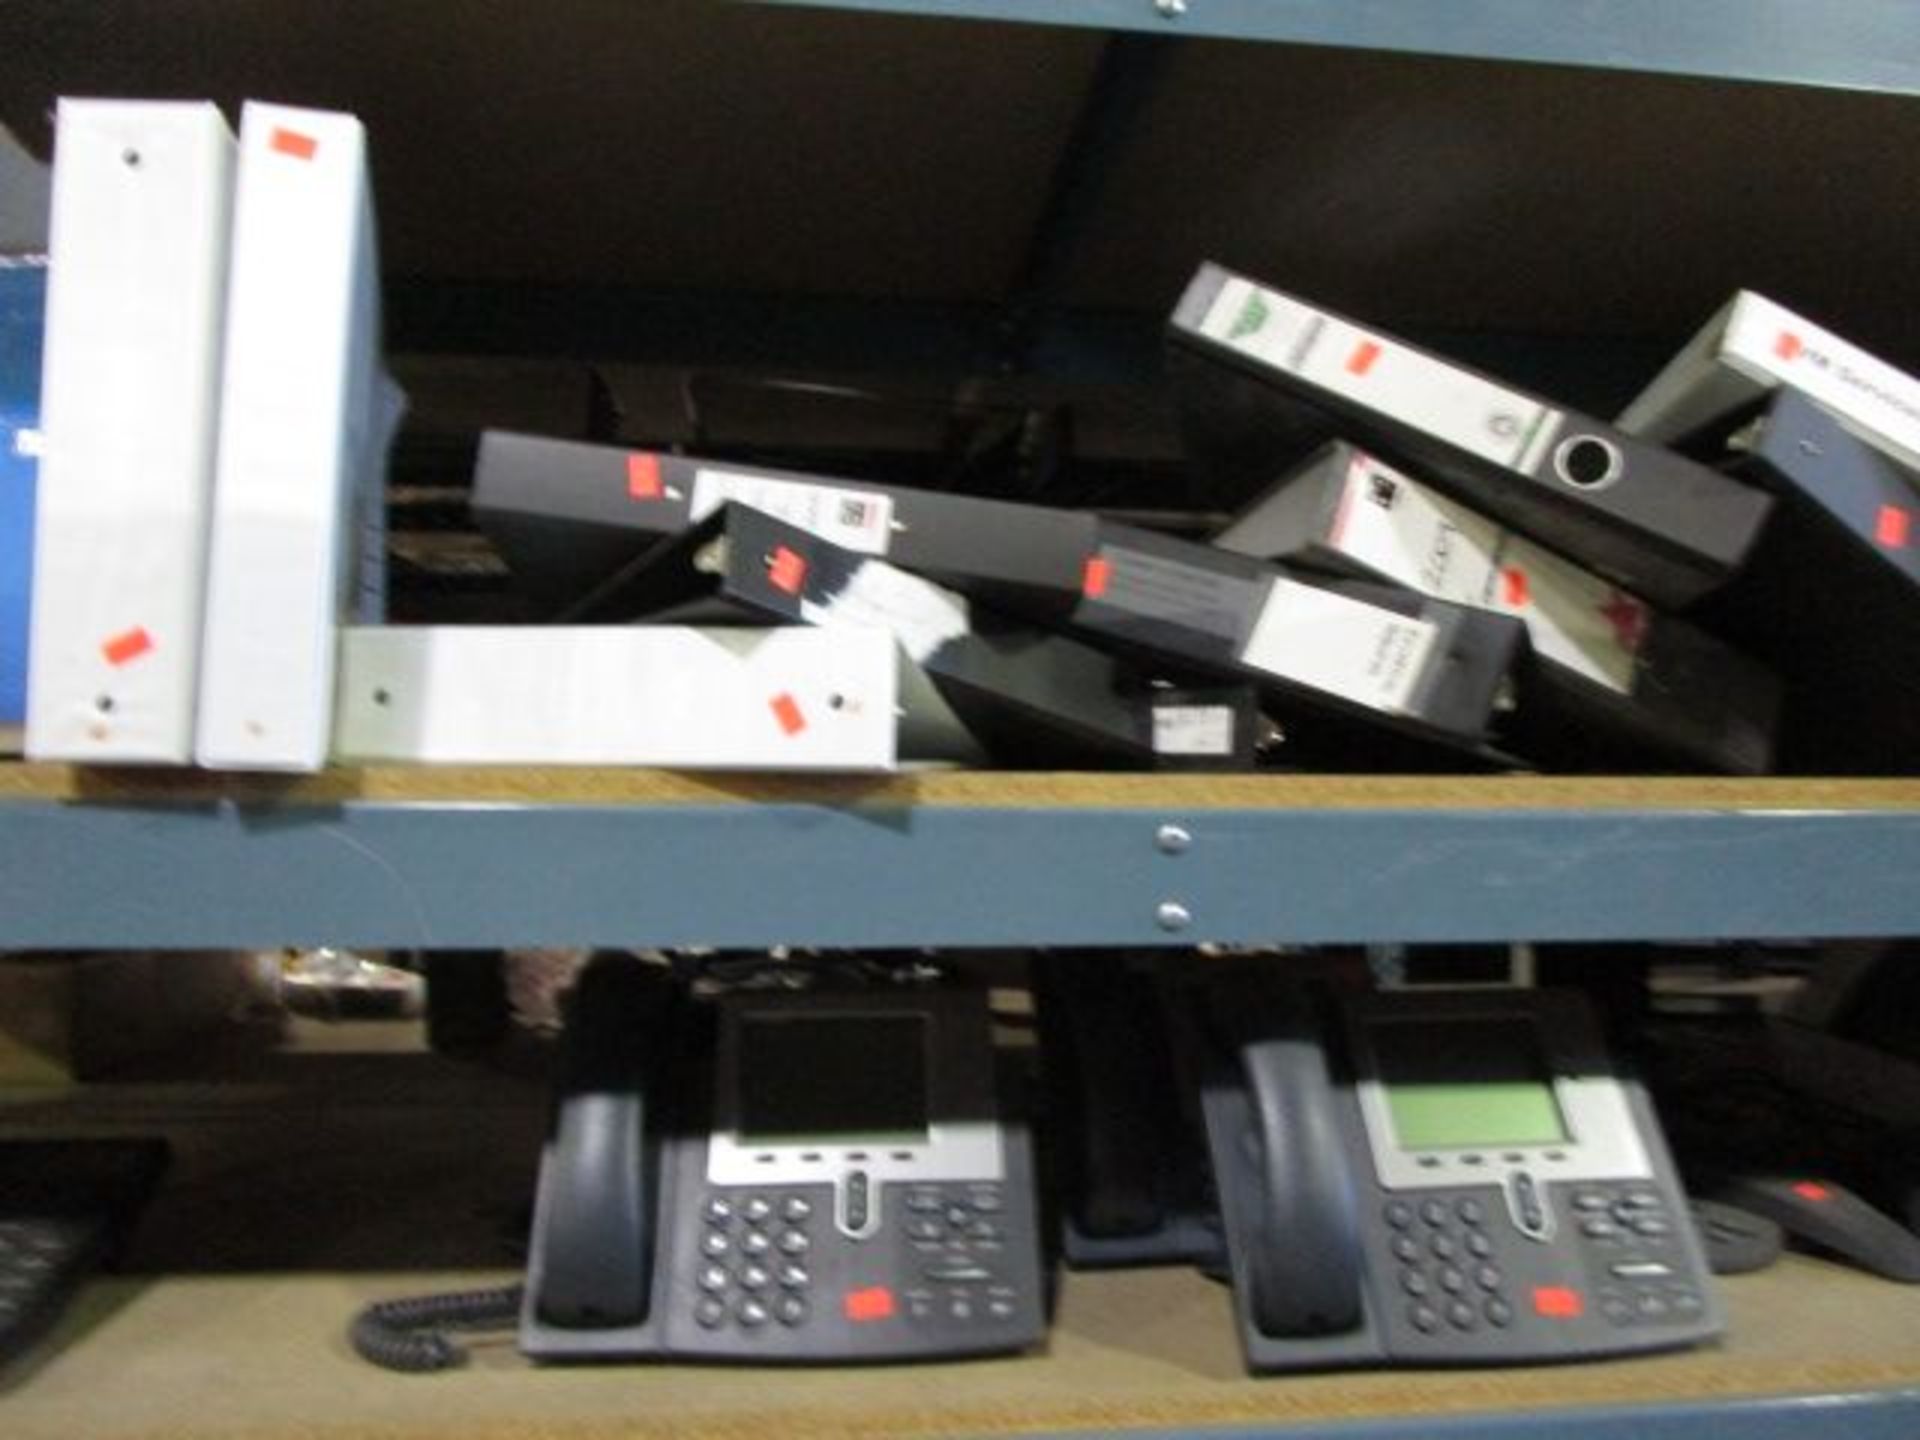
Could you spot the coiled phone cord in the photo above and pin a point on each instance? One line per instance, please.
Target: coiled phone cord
(405, 1334)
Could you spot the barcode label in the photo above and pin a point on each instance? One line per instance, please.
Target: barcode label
(1193, 730)
(859, 520)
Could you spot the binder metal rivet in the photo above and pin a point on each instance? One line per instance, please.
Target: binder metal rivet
(1172, 915)
(1172, 839)
(1170, 9)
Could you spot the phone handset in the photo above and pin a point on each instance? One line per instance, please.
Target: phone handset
(1304, 1264)
(1112, 1083)
(596, 1204)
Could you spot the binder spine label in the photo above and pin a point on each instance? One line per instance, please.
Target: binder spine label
(860, 520)
(1468, 412)
(920, 615)
(1412, 536)
(1779, 344)
(1193, 730)
(1343, 646)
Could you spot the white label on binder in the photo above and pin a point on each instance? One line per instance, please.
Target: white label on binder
(1193, 730)
(1346, 647)
(921, 615)
(1408, 534)
(859, 520)
(1413, 537)
(1382, 375)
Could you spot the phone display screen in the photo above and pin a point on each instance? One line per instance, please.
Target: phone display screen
(1466, 1084)
(833, 1079)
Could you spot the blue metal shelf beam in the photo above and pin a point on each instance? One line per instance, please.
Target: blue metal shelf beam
(1859, 45)
(438, 873)
(1867, 1415)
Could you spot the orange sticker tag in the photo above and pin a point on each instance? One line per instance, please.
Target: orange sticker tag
(1812, 1190)
(643, 477)
(1364, 354)
(292, 142)
(1787, 345)
(787, 569)
(1557, 1302)
(1516, 583)
(127, 645)
(786, 710)
(873, 1303)
(1093, 584)
(1891, 528)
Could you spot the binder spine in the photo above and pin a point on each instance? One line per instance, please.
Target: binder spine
(299, 416)
(135, 303)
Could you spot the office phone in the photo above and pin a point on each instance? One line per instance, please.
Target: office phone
(811, 1175)
(1434, 1178)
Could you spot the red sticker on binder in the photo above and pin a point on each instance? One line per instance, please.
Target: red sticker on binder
(1787, 345)
(1628, 618)
(1812, 1190)
(643, 477)
(292, 142)
(1364, 354)
(1892, 526)
(127, 645)
(1093, 583)
(787, 569)
(1516, 582)
(786, 710)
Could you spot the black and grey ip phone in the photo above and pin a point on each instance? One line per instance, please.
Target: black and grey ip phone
(771, 1175)
(1433, 1178)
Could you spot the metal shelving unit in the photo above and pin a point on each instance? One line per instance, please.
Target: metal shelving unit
(475, 858)
(470, 858)
(1865, 45)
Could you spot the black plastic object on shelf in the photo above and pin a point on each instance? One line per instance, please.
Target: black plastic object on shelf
(66, 1206)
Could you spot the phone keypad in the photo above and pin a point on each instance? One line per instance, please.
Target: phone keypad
(1640, 1274)
(1447, 1275)
(752, 1269)
(956, 1233)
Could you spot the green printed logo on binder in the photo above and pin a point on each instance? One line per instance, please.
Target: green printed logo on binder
(1252, 316)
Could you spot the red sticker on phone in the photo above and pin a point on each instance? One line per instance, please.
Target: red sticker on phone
(1364, 354)
(1516, 582)
(643, 477)
(787, 569)
(292, 142)
(127, 645)
(874, 1302)
(786, 710)
(1787, 345)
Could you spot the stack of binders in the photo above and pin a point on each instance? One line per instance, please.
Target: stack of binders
(1831, 598)
(1430, 569)
(1054, 636)
(1368, 456)
(209, 545)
